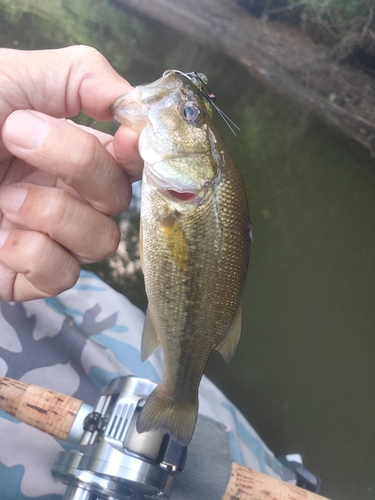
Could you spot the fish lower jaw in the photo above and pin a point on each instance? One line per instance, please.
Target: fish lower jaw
(176, 192)
(184, 197)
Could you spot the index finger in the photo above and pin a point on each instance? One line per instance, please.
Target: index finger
(59, 82)
(71, 154)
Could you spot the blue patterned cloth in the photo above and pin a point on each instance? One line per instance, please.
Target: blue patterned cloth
(76, 343)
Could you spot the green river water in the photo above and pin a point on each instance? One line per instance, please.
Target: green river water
(304, 374)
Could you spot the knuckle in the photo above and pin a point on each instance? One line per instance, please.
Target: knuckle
(87, 52)
(113, 238)
(35, 251)
(53, 209)
(120, 200)
(84, 59)
(50, 268)
(87, 160)
(107, 245)
(69, 278)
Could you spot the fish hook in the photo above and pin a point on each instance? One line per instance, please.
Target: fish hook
(199, 80)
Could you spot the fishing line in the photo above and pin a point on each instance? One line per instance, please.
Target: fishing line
(199, 80)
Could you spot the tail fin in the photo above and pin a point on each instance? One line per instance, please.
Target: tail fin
(164, 413)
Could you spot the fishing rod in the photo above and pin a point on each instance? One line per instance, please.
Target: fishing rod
(113, 461)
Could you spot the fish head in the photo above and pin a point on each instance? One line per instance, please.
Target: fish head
(176, 140)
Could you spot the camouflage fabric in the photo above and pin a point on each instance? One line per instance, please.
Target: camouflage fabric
(75, 344)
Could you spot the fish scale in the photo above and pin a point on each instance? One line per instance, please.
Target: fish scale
(195, 247)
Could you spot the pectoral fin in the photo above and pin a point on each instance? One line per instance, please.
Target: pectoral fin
(176, 243)
(229, 343)
(150, 339)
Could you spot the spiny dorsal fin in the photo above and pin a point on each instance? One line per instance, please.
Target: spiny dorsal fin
(150, 339)
(229, 343)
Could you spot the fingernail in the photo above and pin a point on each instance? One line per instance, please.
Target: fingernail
(12, 197)
(4, 233)
(25, 129)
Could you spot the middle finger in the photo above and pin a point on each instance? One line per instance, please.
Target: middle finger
(84, 231)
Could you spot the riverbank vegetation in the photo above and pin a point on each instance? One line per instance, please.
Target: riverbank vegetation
(347, 26)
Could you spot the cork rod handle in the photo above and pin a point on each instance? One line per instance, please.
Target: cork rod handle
(48, 411)
(246, 484)
(54, 413)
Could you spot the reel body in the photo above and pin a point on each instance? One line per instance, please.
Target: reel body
(113, 461)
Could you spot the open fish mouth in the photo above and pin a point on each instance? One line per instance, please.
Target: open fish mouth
(173, 189)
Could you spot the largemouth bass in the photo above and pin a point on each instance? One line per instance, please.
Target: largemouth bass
(194, 245)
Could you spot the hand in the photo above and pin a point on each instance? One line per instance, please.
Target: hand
(59, 182)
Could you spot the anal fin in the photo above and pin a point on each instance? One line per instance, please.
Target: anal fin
(150, 339)
(229, 343)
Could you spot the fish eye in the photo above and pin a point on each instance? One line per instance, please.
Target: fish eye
(191, 113)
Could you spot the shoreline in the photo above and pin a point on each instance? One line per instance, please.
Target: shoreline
(280, 55)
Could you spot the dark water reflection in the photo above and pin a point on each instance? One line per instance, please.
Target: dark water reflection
(305, 371)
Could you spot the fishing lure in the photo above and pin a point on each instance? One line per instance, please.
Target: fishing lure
(199, 81)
